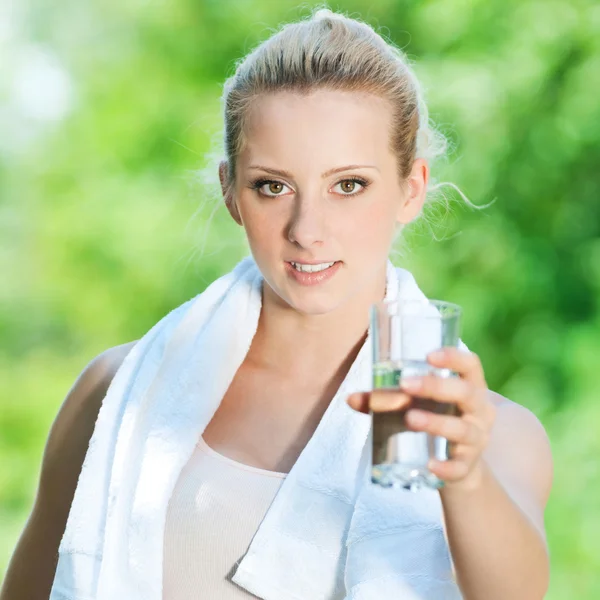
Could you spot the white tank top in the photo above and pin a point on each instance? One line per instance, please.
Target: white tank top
(215, 509)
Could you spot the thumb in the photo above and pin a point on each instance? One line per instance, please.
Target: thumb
(359, 401)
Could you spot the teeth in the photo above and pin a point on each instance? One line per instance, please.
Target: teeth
(312, 268)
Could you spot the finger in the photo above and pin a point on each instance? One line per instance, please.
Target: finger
(449, 470)
(460, 451)
(455, 429)
(378, 401)
(385, 400)
(452, 389)
(359, 401)
(466, 364)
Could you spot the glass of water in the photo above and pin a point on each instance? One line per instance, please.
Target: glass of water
(404, 332)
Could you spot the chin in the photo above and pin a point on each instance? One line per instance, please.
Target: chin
(313, 307)
(314, 301)
(308, 301)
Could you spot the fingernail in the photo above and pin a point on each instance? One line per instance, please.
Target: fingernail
(410, 383)
(437, 355)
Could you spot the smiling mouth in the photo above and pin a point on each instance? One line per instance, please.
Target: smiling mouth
(312, 268)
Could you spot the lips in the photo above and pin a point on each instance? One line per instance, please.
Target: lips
(311, 262)
(312, 267)
(312, 278)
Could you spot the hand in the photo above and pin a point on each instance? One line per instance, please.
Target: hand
(469, 432)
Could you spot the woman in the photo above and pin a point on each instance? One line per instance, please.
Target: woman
(328, 148)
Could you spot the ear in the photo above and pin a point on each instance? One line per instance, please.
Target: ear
(412, 202)
(228, 195)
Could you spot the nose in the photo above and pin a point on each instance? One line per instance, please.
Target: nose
(307, 223)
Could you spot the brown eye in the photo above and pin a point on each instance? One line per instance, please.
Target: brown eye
(348, 186)
(351, 187)
(269, 187)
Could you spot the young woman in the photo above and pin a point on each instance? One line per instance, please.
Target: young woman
(327, 153)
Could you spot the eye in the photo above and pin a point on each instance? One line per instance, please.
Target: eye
(269, 187)
(348, 187)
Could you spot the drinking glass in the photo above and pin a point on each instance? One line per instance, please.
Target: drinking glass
(403, 333)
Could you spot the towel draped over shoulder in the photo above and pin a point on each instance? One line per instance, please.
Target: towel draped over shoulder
(329, 534)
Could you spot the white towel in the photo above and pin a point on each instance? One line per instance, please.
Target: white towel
(328, 535)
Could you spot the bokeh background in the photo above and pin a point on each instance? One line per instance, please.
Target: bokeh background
(109, 214)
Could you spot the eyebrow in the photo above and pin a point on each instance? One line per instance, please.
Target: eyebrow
(288, 175)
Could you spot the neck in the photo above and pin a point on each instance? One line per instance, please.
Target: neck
(311, 347)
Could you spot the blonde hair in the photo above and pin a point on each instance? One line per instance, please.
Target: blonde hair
(329, 50)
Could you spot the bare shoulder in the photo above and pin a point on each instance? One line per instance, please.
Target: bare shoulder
(515, 421)
(66, 447)
(520, 454)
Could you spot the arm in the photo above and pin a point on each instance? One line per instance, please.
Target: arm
(494, 520)
(31, 569)
(497, 482)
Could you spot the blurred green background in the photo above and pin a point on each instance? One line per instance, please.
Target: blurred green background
(110, 217)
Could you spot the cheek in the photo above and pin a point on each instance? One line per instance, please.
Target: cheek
(371, 227)
(263, 228)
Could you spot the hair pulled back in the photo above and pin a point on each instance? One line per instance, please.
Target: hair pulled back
(329, 50)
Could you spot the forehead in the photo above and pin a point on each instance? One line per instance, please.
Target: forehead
(324, 126)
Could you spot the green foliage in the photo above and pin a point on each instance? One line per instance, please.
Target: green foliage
(106, 222)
